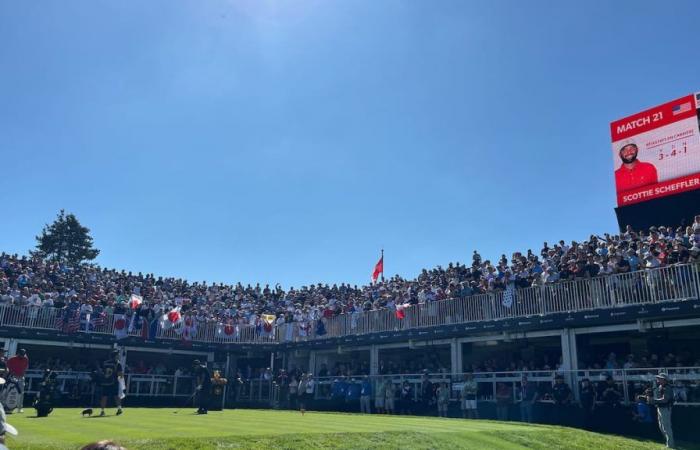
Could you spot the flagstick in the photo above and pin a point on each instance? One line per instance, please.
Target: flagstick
(382, 265)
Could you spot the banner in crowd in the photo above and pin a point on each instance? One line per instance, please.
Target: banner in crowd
(656, 152)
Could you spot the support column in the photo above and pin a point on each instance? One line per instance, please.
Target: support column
(11, 348)
(227, 368)
(312, 361)
(373, 360)
(570, 359)
(456, 357)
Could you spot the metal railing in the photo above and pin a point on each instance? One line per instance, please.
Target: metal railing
(79, 383)
(49, 318)
(667, 284)
(628, 382)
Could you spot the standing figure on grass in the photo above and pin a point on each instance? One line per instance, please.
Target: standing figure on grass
(663, 399)
(468, 397)
(390, 395)
(443, 399)
(109, 382)
(380, 396)
(203, 380)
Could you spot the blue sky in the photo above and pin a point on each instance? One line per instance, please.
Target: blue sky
(289, 141)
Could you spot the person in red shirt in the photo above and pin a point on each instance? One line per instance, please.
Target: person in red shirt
(633, 173)
(17, 366)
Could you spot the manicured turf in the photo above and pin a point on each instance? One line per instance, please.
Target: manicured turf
(158, 429)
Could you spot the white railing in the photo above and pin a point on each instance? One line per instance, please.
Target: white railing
(673, 283)
(137, 385)
(49, 318)
(628, 382)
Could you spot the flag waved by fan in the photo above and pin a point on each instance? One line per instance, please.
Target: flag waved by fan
(135, 301)
(171, 319)
(228, 331)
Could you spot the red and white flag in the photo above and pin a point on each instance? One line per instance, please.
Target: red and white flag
(121, 326)
(401, 311)
(171, 318)
(378, 268)
(135, 301)
(228, 331)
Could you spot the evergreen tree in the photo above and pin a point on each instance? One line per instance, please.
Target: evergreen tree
(66, 241)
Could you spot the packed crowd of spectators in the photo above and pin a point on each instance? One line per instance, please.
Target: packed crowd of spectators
(38, 283)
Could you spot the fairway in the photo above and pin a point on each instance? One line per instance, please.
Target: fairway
(157, 429)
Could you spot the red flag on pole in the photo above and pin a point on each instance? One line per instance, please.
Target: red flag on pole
(378, 268)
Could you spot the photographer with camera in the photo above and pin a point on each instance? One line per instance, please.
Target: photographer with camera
(48, 393)
(663, 400)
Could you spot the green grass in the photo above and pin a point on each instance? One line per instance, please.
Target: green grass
(160, 429)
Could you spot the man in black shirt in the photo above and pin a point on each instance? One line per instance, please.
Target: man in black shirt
(203, 380)
(591, 269)
(562, 395)
(611, 395)
(109, 382)
(588, 399)
(426, 391)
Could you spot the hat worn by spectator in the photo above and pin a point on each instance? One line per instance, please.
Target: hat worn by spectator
(662, 376)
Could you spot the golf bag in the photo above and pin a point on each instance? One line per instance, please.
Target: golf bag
(11, 395)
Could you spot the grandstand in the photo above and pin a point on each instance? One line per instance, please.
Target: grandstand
(624, 306)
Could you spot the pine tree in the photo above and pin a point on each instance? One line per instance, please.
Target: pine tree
(66, 241)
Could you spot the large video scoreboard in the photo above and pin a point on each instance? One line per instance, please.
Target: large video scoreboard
(656, 153)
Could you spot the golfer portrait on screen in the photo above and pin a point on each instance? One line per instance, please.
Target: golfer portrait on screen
(633, 173)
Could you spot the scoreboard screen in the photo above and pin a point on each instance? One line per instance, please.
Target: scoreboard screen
(656, 152)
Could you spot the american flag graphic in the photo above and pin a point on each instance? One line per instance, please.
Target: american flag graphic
(68, 320)
(98, 319)
(73, 322)
(679, 109)
(59, 319)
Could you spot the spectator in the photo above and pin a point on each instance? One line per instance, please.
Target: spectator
(528, 397)
(390, 398)
(504, 398)
(366, 396)
(443, 399)
(588, 398)
(562, 395)
(468, 397)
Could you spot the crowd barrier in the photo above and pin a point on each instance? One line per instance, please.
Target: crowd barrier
(628, 382)
(685, 382)
(79, 384)
(667, 284)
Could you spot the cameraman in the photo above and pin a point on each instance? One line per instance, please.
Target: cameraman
(47, 394)
(664, 404)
